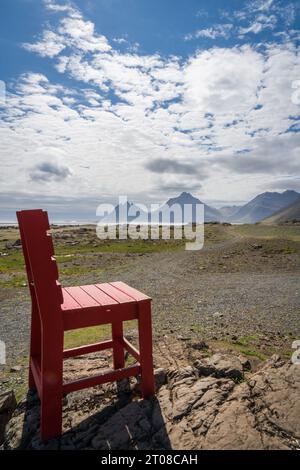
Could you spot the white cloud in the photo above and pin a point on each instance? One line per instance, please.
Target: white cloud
(260, 23)
(50, 45)
(217, 31)
(58, 8)
(129, 109)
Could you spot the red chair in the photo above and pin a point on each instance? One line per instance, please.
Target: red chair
(56, 309)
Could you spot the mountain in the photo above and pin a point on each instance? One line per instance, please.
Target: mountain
(264, 205)
(210, 213)
(133, 211)
(287, 214)
(121, 211)
(228, 211)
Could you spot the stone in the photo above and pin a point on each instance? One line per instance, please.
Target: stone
(198, 345)
(221, 365)
(160, 377)
(190, 411)
(218, 315)
(7, 406)
(15, 369)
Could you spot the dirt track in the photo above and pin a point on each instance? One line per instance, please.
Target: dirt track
(239, 290)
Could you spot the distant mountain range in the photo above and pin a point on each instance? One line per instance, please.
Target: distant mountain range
(261, 207)
(288, 214)
(210, 213)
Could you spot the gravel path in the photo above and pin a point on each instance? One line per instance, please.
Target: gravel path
(193, 294)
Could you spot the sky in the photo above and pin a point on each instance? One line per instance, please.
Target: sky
(147, 99)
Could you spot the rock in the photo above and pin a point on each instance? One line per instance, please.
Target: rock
(16, 244)
(7, 406)
(221, 365)
(198, 345)
(15, 369)
(160, 377)
(183, 338)
(256, 246)
(218, 315)
(246, 364)
(188, 412)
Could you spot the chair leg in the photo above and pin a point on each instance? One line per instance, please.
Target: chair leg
(145, 343)
(51, 386)
(118, 350)
(35, 339)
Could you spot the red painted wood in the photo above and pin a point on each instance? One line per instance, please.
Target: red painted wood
(36, 372)
(130, 348)
(100, 379)
(118, 350)
(115, 293)
(130, 291)
(74, 319)
(56, 309)
(99, 295)
(87, 349)
(81, 297)
(145, 342)
(69, 303)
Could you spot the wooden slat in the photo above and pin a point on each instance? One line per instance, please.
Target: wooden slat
(49, 244)
(68, 302)
(115, 293)
(98, 295)
(130, 348)
(134, 293)
(88, 349)
(109, 376)
(73, 319)
(36, 372)
(81, 297)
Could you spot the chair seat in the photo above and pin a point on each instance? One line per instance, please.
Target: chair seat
(96, 304)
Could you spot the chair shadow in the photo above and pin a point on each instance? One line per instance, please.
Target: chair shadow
(123, 424)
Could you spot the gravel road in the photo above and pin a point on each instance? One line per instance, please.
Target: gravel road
(227, 290)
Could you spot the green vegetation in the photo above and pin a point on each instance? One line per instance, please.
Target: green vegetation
(92, 334)
(84, 336)
(267, 231)
(242, 346)
(78, 248)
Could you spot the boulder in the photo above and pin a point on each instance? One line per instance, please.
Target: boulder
(221, 365)
(7, 406)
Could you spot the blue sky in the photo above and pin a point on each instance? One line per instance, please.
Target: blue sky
(147, 99)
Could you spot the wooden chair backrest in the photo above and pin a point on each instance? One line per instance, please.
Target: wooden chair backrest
(41, 267)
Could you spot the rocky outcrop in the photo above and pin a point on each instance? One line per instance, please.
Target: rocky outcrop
(214, 404)
(7, 406)
(223, 365)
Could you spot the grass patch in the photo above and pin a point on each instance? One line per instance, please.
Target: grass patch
(267, 231)
(78, 270)
(12, 262)
(83, 336)
(93, 334)
(245, 340)
(241, 348)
